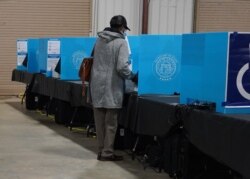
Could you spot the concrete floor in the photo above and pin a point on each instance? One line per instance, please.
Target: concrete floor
(33, 146)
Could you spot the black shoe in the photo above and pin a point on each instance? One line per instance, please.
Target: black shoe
(111, 158)
(99, 155)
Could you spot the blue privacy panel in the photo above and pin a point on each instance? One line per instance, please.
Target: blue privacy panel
(42, 54)
(134, 43)
(73, 50)
(204, 67)
(33, 63)
(159, 64)
(210, 68)
(22, 54)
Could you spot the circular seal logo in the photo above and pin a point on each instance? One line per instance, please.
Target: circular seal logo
(77, 58)
(165, 67)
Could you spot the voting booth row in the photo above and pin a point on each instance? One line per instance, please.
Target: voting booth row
(205, 68)
(193, 90)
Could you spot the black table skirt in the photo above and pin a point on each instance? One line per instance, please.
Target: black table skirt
(226, 138)
(21, 76)
(69, 91)
(156, 114)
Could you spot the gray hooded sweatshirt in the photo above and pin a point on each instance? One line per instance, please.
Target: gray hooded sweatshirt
(109, 70)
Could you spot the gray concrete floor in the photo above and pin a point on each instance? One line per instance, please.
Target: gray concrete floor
(33, 146)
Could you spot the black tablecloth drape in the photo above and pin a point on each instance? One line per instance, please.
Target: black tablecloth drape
(69, 91)
(223, 137)
(21, 76)
(156, 114)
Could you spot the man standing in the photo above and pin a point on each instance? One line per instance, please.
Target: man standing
(109, 71)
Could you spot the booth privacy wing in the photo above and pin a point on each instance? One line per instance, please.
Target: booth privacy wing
(159, 64)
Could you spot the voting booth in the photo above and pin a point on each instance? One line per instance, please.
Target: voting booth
(31, 55)
(159, 64)
(73, 50)
(56, 57)
(215, 69)
(28, 55)
(65, 55)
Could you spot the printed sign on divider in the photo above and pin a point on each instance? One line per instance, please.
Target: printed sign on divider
(22, 53)
(238, 76)
(53, 56)
(159, 64)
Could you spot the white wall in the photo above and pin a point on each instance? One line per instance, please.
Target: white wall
(104, 10)
(170, 16)
(165, 16)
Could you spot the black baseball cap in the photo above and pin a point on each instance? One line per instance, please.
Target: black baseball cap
(119, 21)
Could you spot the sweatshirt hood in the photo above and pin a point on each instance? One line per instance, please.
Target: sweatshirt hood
(109, 34)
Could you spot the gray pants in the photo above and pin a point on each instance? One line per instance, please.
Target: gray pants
(106, 125)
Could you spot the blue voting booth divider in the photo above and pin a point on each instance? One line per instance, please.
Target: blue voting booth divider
(22, 54)
(134, 45)
(73, 50)
(202, 67)
(45, 53)
(33, 65)
(159, 64)
(39, 56)
(215, 69)
(42, 55)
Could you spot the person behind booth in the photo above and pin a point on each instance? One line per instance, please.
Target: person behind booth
(109, 71)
